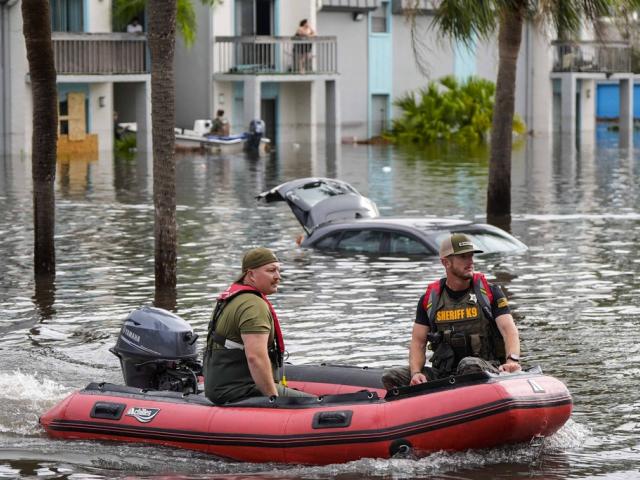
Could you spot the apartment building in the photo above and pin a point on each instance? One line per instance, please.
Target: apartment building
(102, 75)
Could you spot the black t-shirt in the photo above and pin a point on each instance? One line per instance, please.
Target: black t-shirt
(498, 307)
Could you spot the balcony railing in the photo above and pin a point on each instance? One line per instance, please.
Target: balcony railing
(349, 5)
(424, 7)
(99, 53)
(592, 56)
(276, 55)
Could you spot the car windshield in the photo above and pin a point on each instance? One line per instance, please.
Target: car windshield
(488, 242)
(318, 191)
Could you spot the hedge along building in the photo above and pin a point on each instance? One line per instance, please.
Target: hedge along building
(99, 72)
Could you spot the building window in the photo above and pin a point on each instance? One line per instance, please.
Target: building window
(380, 19)
(67, 15)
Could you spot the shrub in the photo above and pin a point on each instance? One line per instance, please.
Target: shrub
(447, 110)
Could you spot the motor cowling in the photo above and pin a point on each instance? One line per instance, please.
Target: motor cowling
(157, 350)
(256, 131)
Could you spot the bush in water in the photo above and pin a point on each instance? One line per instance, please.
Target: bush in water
(447, 110)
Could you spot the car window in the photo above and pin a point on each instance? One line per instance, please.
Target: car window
(488, 242)
(404, 244)
(328, 242)
(360, 241)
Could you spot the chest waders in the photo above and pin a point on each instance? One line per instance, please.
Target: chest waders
(227, 368)
(463, 327)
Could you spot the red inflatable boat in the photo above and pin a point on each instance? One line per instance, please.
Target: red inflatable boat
(354, 417)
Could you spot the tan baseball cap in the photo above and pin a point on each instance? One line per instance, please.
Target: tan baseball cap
(457, 244)
(256, 258)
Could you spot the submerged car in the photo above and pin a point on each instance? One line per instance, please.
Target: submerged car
(337, 218)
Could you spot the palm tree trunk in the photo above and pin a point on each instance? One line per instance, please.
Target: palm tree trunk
(36, 17)
(499, 189)
(162, 37)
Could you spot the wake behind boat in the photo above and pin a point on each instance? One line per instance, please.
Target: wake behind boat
(353, 417)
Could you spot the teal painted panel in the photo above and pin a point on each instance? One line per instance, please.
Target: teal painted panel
(269, 90)
(465, 60)
(65, 88)
(380, 64)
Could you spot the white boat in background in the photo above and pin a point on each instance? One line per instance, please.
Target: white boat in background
(199, 137)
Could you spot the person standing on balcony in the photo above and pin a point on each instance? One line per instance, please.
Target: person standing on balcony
(134, 26)
(302, 51)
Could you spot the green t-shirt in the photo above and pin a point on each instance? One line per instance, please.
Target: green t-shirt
(245, 313)
(226, 372)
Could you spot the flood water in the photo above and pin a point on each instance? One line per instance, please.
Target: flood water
(573, 293)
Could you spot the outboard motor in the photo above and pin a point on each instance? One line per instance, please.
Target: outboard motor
(157, 351)
(256, 132)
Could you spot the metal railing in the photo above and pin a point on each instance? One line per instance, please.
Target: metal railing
(591, 56)
(276, 55)
(349, 5)
(424, 7)
(99, 53)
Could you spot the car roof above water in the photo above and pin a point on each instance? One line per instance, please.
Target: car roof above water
(424, 224)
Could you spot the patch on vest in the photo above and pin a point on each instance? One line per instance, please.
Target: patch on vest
(503, 302)
(457, 314)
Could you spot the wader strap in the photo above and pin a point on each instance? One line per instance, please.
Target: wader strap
(225, 342)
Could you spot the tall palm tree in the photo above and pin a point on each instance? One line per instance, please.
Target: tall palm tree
(162, 39)
(163, 15)
(467, 20)
(36, 18)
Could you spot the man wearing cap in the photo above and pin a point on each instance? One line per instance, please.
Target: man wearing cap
(466, 321)
(244, 345)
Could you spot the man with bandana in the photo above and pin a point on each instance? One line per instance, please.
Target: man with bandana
(244, 352)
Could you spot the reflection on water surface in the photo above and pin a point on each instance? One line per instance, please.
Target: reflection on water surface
(574, 292)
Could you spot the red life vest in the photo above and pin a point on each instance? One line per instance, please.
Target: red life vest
(237, 289)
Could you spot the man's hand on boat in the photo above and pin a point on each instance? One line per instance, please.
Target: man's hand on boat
(510, 366)
(418, 378)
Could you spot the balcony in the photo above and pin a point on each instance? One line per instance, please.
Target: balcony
(99, 53)
(349, 5)
(421, 7)
(276, 55)
(592, 56)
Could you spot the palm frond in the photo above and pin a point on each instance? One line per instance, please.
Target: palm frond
(466, 20)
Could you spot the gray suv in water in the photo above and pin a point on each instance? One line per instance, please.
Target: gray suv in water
(337, 218)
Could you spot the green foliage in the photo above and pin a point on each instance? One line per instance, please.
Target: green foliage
(125, 146)
(447, 110)
(125, 10)
(466, 20)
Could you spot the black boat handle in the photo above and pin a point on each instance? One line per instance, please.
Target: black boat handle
(107, 410)
(332, 419)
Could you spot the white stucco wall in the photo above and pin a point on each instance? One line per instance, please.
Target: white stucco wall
(102, 117)
(292, 11)
(534, 93)
(295, 112)
(193, 70)
(19, 123)
(99, 16)
(436, 55)
(222, 92)
(352, 38)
